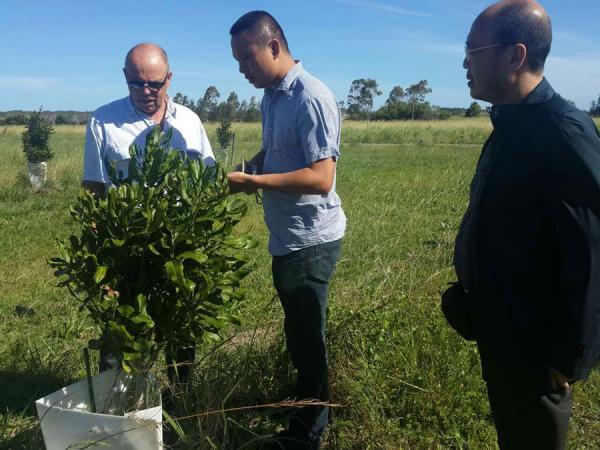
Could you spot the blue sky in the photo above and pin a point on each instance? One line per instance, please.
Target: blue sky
(68, 54)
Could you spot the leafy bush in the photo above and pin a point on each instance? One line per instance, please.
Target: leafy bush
(474, 110)
(156, 263)
(224, 133)
(35, 138)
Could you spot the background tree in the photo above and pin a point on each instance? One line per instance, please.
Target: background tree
(231, 106)
(416, 95)
(184, 100)
(178, 98)
(397, 95)
(207, 106)
(595, 108)
(253, 113)
(473, 110)
(60, 120)
(361, 94)
(395, 107)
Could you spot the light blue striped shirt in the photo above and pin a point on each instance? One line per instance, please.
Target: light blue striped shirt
(301, 125)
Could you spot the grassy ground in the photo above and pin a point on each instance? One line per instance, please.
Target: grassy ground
(402, 377)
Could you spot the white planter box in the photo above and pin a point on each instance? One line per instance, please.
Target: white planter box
(38, 173)
(66, 420)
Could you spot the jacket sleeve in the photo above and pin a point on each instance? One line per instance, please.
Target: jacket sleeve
(573, 203)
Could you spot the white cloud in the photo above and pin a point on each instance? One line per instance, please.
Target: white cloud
(28, 83)
(382, 7)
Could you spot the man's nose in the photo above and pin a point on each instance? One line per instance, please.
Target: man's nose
(466, 62)
(146, 90)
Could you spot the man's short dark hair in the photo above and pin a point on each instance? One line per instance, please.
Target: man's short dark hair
(520, 23)
(262, 26)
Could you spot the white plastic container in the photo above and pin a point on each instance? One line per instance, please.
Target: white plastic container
(38, 173)
(66, 420)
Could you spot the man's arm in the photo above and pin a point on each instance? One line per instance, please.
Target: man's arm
(94, 171)
(573, 202)
(316, 179)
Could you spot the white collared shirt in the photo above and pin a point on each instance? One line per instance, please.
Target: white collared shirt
(114, 127)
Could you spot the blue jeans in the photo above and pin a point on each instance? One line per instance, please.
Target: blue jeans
(301, 279)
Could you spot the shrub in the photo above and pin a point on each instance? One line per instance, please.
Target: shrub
(156, 263)
(224, 133)
(35, 138)
(60, 120)
(474, 110)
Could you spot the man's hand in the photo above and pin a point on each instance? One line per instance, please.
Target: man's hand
(241, 182)
(558, 379)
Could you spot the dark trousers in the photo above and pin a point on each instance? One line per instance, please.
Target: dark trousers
(301, 279)
(529, 413)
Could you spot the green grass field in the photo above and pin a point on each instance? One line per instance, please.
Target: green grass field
(401, 376)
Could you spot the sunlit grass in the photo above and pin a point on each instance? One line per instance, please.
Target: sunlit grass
(403, 378)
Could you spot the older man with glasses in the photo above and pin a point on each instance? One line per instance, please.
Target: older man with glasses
(117, 125)
(527, 254)
(114, 127)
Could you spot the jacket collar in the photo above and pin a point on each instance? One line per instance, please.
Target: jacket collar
(541, 94)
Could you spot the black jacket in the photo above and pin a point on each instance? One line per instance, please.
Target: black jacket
(534, 251)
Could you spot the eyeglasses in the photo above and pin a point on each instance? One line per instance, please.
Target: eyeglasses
(152, 85)
(470, 51)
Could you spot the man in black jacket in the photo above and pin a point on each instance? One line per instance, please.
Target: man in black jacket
(527, 255)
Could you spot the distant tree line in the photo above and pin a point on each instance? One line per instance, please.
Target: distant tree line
(209, 109)
(53, 117)
(402, 104)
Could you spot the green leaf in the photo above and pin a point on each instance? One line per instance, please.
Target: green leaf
(197, 256)
(126, 310)
(118, 242)
(153, 249)
(214, 322)
(175, 271)
(100, 274)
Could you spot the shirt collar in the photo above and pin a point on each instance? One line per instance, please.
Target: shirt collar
(288, 80)
(133, 112)
(540, 94)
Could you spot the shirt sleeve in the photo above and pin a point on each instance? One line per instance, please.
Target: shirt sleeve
(205, 148)
(93, 158)
(573, 202)
(318, 128)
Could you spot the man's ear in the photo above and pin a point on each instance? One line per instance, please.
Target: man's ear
(518, 56)
(275, 48)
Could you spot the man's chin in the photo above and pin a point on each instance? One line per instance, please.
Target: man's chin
(147, 109)
(474, 93)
